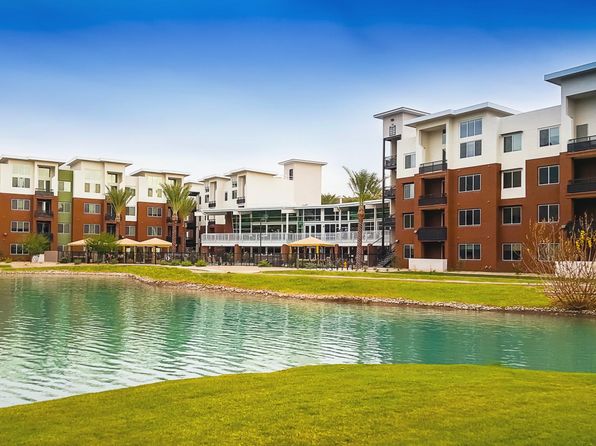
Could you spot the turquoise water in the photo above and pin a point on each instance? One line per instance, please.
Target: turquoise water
(65, 336)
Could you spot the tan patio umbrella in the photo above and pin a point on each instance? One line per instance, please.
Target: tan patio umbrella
(309, 242)
(127, 242)
(78, 243)
(155, 243)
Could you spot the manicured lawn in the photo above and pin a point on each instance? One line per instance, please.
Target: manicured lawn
(436, 291)
(325, 405)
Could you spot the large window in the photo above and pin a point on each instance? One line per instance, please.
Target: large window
(469, 251)
(18, 249)
(154, 231)
(512, 142)
(22, 182)
(408, 191)
(469, 217)
(131, 211)
(548, 175)
(410, 160)
(91, 208)
(408, 251)
(64, 206)
(548, 213)
(470, 149)
(549, 136)
(154, 211)
(63, 228)
(90, 229)
(469, 183)
(20, 204)
(20, 226)
(512, 215)
(512, 252)
(469, 128)
(130, 231)
(408, 220)
(512, 178)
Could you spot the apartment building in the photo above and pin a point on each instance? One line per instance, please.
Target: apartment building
(466, 185)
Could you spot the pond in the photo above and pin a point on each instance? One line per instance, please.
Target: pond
(62, 336)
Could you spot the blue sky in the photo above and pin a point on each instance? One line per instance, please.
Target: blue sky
(209, 86)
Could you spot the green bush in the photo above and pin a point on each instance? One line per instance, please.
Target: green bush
(186, 263)
(264, 264)
(7, 260)
(77, 261)
(63, 260)
(175, 263)
(200, 262)
(113, 261)
(164, 262)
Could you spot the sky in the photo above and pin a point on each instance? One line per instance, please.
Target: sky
(206, 87)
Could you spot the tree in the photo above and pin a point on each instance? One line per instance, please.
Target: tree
(119, 199)
(176, 194)
(329, 199)
(36, 244)
(188, 206)
(365, 186)
(102, 244)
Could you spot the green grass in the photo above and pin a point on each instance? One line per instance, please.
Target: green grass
(325, 405)
(436, 291)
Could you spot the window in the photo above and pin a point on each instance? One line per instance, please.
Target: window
(547, 251)
(408, 251)
(469, 217)
(512, 252)
(113, 178)
(91, 208)
(512, 142)
(410, 160)
(548, 213)
(130, 231)
(87, 187)
(18, 249)
(581, 131)
(472, 127)
(22, 182)
(469, 251)
(150, 192)
(444, 137)
(154, 211)
(159, 193)
(548, 175)
(549, 136)
(408, 191)
(470, 149)
(131, 211)
(65, 186)
(20, 226)
(225, 196)
(290, 175)
(511, 215)
(98, 188)
(408, 220)
(512, 178)
(63, 228)
(154, 231)
(90, 229)
(20, 204)
(234, 195)
(469, 183)
(64, 206)
(132, 190)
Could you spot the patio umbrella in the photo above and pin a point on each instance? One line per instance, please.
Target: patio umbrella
(155, 243)
(78, 243)
(309, 242)
(127, 242)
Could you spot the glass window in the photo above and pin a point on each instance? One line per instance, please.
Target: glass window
(512, 142)
(408, 191)
(408, 251)
(154, 231)
(469, 183)
(548, 213)
(469, 251)
(410, 160)
(469, 217)
(470, 149)
(548, 175)
(91, 229)
(549, 136)
(512, 178)
(91, 208)
(65, 186)
(511, 215)
(132, 190)
(63, 228)
(469, 128)
(18, 249)
(20, 226)
(154, 211)
(408, 220)
(131, 211)
(512, 252)
(130, 231)
(21, 182)
(64, 206)
(20, 204)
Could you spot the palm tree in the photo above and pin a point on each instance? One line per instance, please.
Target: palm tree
(365, 186)
(329, 199)
(119, 199)
(176, 194)
(187, 208)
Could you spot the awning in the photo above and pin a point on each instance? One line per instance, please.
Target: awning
(309, 242)
(78, 243)
(127, 242)
(155, 243)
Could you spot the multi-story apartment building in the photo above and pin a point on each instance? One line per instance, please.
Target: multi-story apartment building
(466, 185)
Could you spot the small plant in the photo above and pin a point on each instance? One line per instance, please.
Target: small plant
(164, 262)
(186, 263)
(77, 261)
(175, 263)
(113, 261)
(63, 260)
(264, 264)
(200, 262)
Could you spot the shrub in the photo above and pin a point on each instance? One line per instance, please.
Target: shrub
(113, 261)
(63, 260)
(186, 263)
(77, 261)
(264, 264)
(36, 244)
(200, 262)
(175, 263)
(164, 262)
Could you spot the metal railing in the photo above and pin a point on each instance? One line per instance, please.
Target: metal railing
(581, 144)
(389, 192)
(390, 162)
(434, 166)
(432, 199)
(212, 204)
(579, 185)
(43, 213)
(282, 238)
(43, 191)
(240, 200)
(432, 234)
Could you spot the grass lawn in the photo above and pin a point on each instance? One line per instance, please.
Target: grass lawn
(325, 405)
(436, 291)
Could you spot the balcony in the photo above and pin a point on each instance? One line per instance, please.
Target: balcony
(191, 225)
(44, 192)
(110, 216)
(178, 239)
(240, 200)
(432, 199)
(389, 222)
(389, 192)
(43, 214)
(390, 162)
(434, 166)
(433, 234)
(581, 185)
(347, 238)
(212, 204)
(581, 144)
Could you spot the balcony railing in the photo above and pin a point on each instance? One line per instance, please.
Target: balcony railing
(581, 185)
(282, 238)
(390, 162)
(240, 200)
(581, 144)
(432, 234)
(434, 166)
(110, 216)
(44, 192)
(389, 192)
(432, 199)
(43, 213)
(212, 204)
(389, 222)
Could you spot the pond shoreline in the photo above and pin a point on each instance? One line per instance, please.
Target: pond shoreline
(551, 311)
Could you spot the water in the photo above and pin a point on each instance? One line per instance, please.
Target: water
(65, 336)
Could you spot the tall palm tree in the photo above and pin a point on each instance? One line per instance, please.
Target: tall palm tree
(187, 208)
(365, 186)
(119, 199)
(175, 194)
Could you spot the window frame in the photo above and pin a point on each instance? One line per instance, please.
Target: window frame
(474, 212)
(15, 228)
(464, 177)
(549, 129)
(511, 244)
(466, 245)
(511, 207)
(411, 156)
(413, 189)
(548, 170)
(549, 206)
(408, 247)
(476, 123)
(409, 216)
(511, 172)
(512, 135)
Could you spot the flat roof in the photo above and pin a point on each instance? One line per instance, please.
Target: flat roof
(247, 169)
(139, 172)
(98, 160)
(209, 177)
(500, 109)
(558, 76)
(5, 158)
(297, 160)
(398, 110)
(285, 208)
